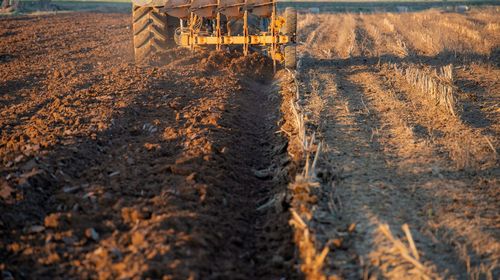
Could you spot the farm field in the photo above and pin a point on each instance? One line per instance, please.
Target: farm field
(376, 159)
(394, 153)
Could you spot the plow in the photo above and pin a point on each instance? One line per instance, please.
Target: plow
(252, 25)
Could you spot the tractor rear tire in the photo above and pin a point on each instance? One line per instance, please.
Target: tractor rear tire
(291, 57)
(290, 27)
(153, 32)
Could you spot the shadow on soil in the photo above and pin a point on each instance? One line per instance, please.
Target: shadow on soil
(167, 193)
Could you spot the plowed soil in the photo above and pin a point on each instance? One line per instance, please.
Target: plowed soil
(112, 171)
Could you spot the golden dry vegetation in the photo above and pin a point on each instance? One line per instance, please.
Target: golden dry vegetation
(405, 108)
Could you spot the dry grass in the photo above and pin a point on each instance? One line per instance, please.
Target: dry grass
(397, 128)
(431, 123)
(431, 33)
(308, 21)
(346, 40)
(415, 34)
(384, 35)
(311, 259)
(434, 84)
(408, 252)
(422, 33)
(437, 109)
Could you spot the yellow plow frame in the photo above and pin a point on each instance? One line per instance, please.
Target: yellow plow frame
(197, 23)
(273, 38)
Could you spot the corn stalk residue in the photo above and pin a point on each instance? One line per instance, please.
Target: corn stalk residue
(311, 259)
(435, 84)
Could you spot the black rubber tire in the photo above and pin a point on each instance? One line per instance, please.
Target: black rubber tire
(290, 27)
(153, 32)
(291, 57)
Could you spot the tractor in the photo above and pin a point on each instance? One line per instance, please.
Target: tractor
(253, 25)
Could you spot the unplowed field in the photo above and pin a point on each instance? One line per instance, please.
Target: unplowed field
(392, 157)
(187, 169)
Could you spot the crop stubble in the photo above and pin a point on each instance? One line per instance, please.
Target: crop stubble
(391, 156)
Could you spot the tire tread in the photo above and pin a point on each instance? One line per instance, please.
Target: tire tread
(150, 31)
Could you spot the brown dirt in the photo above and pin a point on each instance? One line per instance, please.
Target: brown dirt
(112, 171)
